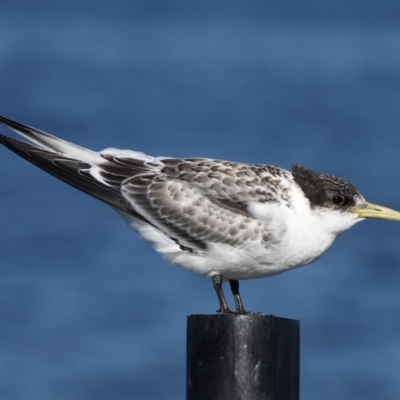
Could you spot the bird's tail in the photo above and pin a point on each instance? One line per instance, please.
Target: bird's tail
(70, 163)
(48, 142)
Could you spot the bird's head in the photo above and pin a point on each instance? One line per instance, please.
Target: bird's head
(338, 201)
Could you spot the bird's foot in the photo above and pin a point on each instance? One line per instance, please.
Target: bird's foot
(236, 312)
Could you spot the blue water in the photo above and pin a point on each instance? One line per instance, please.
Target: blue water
(88, 310)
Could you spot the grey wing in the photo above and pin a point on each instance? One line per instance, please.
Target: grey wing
(187, 214)
(232, 184)
(190, 208)
(194, 201)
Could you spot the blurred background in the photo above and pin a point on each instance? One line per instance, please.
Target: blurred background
(88, 310)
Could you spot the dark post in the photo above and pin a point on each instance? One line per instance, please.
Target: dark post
(242, 357)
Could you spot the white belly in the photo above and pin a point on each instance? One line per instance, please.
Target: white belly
(239, 262)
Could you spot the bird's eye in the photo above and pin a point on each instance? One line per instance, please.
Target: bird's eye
(339, 200)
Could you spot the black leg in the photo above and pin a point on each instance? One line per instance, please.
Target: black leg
(217, 282)
(236, 295)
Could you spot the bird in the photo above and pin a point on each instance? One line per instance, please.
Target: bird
(227, 220)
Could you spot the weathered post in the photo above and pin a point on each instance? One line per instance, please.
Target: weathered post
(242, 357)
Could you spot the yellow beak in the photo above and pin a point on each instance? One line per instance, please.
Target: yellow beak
(375, 211)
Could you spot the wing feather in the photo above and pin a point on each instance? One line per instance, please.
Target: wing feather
(194, 201)
(184, 213)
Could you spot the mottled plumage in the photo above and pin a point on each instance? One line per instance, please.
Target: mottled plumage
(222, 219)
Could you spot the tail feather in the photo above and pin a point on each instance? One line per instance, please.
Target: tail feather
(49, 142)
(73, 172)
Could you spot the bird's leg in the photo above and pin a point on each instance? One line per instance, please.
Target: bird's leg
(236, 295)
(217, 282)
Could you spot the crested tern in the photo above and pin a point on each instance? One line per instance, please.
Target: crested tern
(226, 220)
